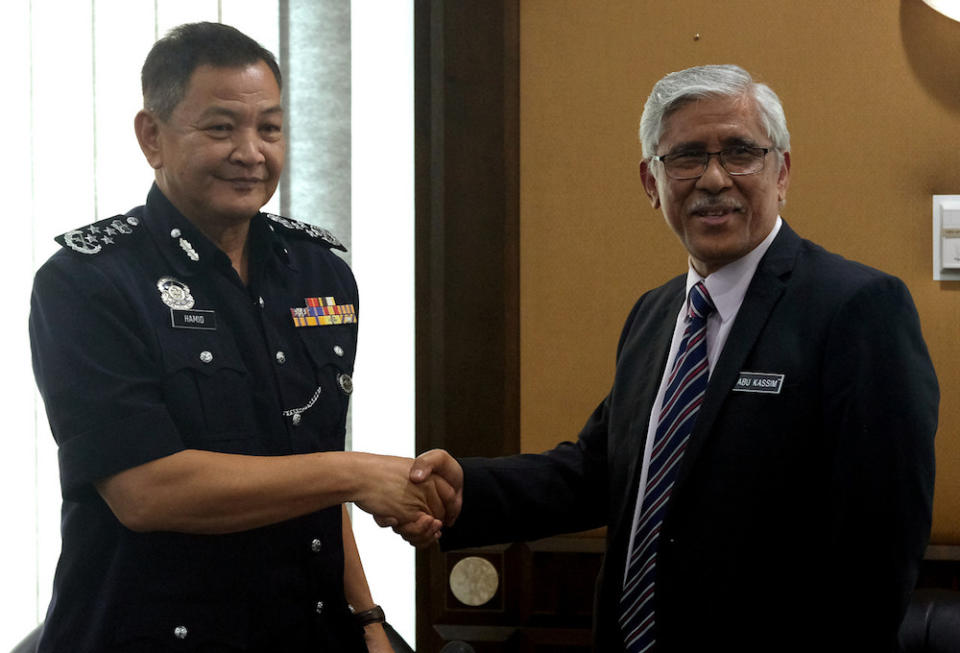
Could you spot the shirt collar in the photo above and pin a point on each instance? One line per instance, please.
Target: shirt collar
(728, 285)
(189, 251)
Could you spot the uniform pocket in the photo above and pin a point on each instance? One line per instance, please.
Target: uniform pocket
(331, 350)
(331, 346)
(208, 389)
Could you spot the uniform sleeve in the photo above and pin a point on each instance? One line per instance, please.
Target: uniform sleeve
(882, 400)
(98, 375)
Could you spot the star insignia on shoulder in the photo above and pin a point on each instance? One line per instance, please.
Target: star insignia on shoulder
(92, 238)
(313, 231)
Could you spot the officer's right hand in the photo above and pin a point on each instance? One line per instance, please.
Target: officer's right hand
(439, 468)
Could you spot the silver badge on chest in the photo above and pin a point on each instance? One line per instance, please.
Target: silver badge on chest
(175, 294)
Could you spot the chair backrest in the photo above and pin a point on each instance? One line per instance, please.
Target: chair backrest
(932, 622)
(29, 643)
(398, 643)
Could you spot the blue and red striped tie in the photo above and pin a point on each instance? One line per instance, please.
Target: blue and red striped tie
(681, 402)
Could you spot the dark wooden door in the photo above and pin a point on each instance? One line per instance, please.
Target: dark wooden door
(467, 328)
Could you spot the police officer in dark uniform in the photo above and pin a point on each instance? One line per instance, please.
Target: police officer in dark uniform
(195, 357)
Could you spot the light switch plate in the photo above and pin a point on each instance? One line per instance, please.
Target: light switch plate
(950, 204)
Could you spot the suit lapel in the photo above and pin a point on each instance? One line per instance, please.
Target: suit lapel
(645, 348)
(764, 292)
(654, 344)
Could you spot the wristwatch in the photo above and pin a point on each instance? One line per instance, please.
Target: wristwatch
(372, 616)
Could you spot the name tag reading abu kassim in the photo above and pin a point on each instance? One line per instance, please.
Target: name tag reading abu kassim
(762, 382)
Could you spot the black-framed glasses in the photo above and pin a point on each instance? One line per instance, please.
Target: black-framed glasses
(737, 160)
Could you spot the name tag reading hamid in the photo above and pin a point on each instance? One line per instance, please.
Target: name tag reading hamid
(761, 382)
(206, 320)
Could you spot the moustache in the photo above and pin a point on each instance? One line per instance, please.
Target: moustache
(715, 205)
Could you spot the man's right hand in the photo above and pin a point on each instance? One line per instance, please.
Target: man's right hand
(392, 498)
(439, 468)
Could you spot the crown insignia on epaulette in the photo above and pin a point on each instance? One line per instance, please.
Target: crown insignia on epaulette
(94, 237)
(313, 231)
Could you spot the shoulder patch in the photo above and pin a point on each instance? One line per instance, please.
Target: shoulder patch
(93, 238)
(313, 231)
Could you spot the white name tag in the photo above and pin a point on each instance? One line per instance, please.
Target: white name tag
(762, 382)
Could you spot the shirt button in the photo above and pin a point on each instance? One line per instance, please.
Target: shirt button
(180, 632)
(206, 357)
(319, 607)
(260, 301)
(281, 357)
(316, 545)
(296, 419)
(338, 350)
(174, 233)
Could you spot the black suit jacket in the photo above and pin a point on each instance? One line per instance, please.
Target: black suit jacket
(798, 519)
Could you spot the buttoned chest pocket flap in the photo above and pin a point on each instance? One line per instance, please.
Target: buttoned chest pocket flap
(207, 388)
(333, 347)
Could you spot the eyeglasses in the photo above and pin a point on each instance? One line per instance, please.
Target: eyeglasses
(737, 160)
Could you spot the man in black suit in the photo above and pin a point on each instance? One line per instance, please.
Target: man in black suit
(800, 499)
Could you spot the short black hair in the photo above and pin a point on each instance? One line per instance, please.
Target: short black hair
(173, 59)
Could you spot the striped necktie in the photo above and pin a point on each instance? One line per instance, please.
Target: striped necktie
(686, 386)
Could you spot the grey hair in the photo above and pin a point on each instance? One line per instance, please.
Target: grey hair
(702, 82)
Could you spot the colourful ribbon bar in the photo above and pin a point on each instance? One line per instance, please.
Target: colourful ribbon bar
(323, 311)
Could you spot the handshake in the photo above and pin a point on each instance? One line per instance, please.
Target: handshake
(416, 498)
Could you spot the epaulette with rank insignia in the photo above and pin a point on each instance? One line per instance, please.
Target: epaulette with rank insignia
(93, 238)
(313, 231)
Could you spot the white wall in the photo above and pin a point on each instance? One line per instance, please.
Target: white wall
(383, 261)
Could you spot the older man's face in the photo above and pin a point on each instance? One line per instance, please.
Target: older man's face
(718, 217)
(219, 156)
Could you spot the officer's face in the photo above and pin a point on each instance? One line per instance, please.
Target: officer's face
(218, 157)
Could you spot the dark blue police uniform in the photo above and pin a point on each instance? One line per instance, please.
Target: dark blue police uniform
(146, 342)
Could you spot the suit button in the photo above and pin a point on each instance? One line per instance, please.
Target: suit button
(206, 357)
(296, 419)
(338, 350)
(319, 607)
(316, 546)
(180, 632)
(281, 357)
(346, 383)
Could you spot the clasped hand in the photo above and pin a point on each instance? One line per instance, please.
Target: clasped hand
(416, 498)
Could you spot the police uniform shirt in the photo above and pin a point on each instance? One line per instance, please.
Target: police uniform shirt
(145, 343)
